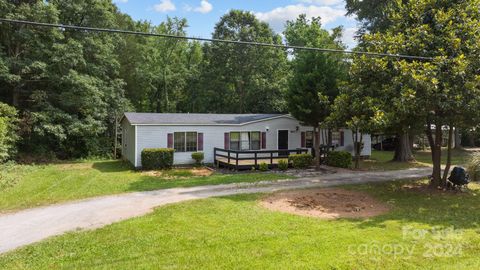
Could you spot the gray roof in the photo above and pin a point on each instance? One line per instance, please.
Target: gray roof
(195, 118)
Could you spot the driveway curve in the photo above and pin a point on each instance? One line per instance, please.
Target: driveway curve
(33, 225)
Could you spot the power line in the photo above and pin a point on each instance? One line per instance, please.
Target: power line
(250, 43)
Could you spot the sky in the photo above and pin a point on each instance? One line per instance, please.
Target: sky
(202, 15)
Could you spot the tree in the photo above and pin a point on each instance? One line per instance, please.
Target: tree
(64, 83)
(164, 67)
(355, 109)
(441, 93)
(8, 131)
(243, 78)
(314, 83)
(374, 18)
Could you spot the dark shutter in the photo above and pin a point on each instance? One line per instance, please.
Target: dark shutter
(226, 141)
(264, 140)
(302, 138)
(200, 141)
(169, 140)
(342, 138)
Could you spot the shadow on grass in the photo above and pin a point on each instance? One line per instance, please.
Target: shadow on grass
(112, 166)
(435, 208)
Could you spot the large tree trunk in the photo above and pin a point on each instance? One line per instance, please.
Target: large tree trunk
(316, 139)
(449, 155)
(403, 150)
(357, 145)
(436, 147)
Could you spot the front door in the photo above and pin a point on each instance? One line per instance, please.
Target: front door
(283, 142)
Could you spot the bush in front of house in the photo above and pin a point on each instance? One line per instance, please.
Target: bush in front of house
(473, 167)
(301, 161)
(157, 158)
(198, 157)
(283, 165)
(339, 159)
(263, 167)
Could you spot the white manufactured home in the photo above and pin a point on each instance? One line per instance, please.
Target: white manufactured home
(207, 133)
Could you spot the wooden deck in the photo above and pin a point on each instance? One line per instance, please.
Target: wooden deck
(245, 160)
(249, 162)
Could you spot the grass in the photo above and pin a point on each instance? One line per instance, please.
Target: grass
(382, 160)
(29, 186)
(236, 233)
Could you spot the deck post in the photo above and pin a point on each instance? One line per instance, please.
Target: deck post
(228, 152)
(271, 158)
(215, 156)
(236, 161)
(255, 159)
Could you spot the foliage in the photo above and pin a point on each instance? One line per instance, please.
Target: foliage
(473, 167)
(301, 161)
(157, 158)
(198, 157)
(241, 78)
(10, 175)
(359, 112)
(8, 131)
(35, 185)
(315, 76)
(66, 84)
(340, 159)
(283, 165)
(263, 166)
(438, 93)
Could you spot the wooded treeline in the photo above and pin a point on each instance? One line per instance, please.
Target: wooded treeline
(69, 86)
(65, 88)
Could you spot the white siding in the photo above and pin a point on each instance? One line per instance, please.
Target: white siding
(153, 136)
(128, 141)
(348, 146)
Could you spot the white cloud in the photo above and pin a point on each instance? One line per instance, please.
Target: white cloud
(205, 7)
(323, 2)
(164, 6)
(349, 36)
(120, 1)
(278, 16)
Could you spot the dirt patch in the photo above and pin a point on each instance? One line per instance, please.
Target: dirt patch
(179, 173)
(327, 203)
(75, 166)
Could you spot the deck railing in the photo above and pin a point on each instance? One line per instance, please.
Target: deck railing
(252, 158)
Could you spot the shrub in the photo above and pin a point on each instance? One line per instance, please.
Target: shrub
(263, 167)
(283, 165)
(157, 158)
(473, 167)
(340, 159)
(198, 157)
(301, 161)
(8, 131)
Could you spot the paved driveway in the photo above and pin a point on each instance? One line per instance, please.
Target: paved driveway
(32, 225)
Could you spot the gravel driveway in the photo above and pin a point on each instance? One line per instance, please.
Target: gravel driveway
(33, 225)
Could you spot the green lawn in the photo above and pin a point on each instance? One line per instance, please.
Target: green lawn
(381, 160)
(23, 186)
(236, 233)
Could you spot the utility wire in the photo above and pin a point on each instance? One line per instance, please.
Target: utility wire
(250, 43)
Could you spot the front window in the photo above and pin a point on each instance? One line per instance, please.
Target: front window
(185, 141)
(309, 139)
(245, 140)
(191, 142)
(255, 140)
